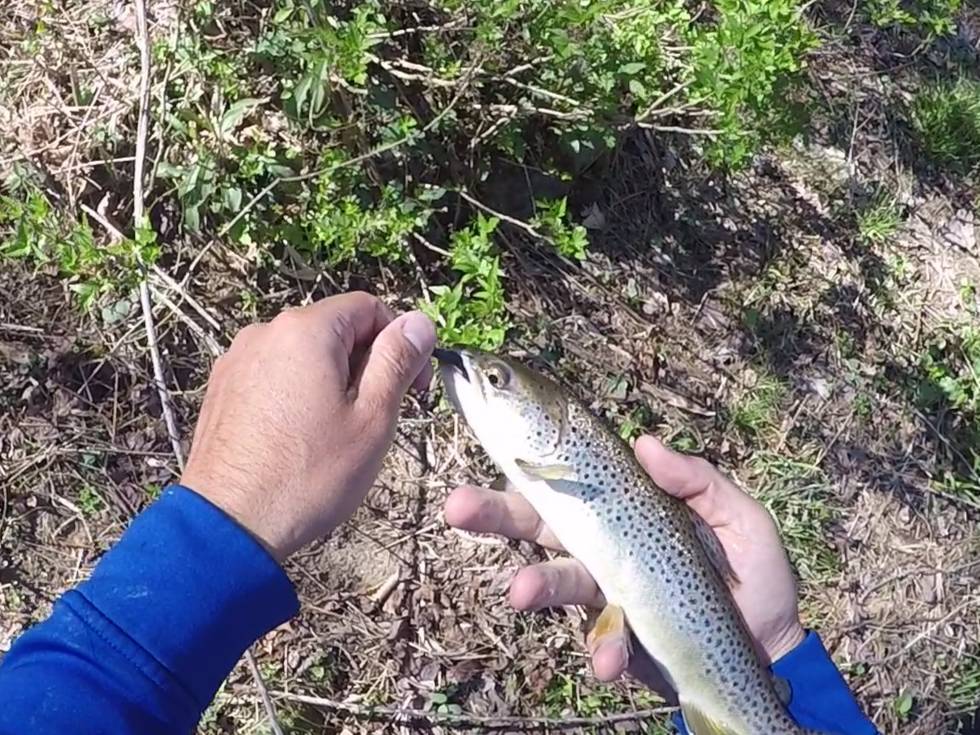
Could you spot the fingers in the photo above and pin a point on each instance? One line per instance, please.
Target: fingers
(610, 657)
(553, 584)
(489, 511)
(355, 318)
(712, 495)
(618, 653)
(398, 358)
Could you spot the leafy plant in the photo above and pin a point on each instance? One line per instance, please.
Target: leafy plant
(950, 384)
(757, 407)
(744, 66)
(472, 311)
(90, 502)
(550, 219)
(933, 17)
(951, 366)
(32, 230)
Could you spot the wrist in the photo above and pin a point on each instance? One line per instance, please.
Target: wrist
(787, 639)
(241, 508)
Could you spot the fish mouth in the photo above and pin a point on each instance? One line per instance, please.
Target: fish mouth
(451, 359)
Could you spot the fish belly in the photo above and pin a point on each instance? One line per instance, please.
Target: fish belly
(667, 619)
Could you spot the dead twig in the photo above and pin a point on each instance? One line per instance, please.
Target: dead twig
(142, 127)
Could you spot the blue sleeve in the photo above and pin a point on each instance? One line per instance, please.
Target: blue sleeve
(819, 697)
(143, 645)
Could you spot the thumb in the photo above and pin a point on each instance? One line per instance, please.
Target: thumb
(398, 356)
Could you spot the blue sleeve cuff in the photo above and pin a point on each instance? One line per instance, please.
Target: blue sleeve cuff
(187, 590)
(820, 698)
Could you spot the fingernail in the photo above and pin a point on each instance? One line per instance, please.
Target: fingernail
(420, 331)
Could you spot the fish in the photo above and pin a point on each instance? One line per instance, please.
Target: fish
(662, 570)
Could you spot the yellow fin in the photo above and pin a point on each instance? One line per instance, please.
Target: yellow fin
(546, 471)
(611, 621)
(698, 723)
(713, 549)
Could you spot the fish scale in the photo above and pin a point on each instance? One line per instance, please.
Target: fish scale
(649, 554)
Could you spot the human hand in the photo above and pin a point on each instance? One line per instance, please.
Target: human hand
(300, 412)
(766, 592)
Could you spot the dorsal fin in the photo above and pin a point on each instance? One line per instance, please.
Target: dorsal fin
(713, 548)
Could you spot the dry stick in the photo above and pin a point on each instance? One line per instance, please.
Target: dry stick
(447, 718)
(142, 126)
(143, 41)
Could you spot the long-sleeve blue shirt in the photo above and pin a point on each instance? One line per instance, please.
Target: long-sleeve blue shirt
(144, 644)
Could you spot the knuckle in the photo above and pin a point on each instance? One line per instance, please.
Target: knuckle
(289, 318)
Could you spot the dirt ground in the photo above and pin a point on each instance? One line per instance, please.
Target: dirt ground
(740, 318)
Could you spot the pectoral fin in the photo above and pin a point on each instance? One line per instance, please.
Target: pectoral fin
(611, 621)
(502, 484)
(713, 549)
(546, 471)
(698, 723)
(783, 689)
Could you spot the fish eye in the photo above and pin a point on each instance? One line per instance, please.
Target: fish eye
(498, 376)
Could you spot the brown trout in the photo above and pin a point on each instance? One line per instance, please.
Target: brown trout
(659, 565)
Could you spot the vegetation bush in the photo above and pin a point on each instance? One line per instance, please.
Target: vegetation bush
(347, 130)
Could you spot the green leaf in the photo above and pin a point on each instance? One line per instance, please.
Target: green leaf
(236, 113)
(169, 171)
(634, 67)
(903, 704)
(233, 199)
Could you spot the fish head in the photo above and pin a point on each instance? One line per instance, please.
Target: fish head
(514, 411)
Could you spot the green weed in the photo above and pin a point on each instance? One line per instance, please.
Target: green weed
(636, 423)
(951, 366)
(90, 502)
(946, 118)
(950, 385)
(795, 492)
(903, 705)
(685, 442)
(757, 408)
(32, 230)
(964, 683)
(551, 220)
(472, 311)
(565, 694)
(880, 220)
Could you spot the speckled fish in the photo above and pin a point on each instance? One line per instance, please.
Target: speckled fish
(659, 565)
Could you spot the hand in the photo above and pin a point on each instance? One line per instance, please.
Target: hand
(766, 592)
(300, 412)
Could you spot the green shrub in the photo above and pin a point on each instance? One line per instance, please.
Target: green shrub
(931, 17)
(338, 129)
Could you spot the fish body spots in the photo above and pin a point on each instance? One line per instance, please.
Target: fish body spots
(669, 570)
